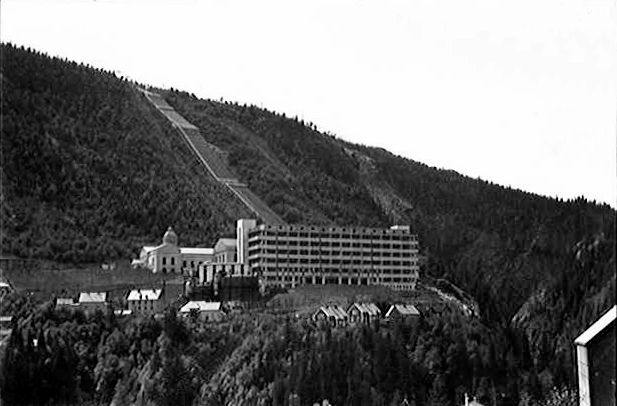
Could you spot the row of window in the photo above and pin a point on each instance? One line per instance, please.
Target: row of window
(281, 245)
(221, 258)
(172, 261)
(381, 234)
(325, 262)
(334, 241)
(343, 272)
(336, 281)
(316, 254)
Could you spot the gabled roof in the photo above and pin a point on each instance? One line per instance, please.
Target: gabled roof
(597, 327)
(200, 306)
(122, 312)
(152, 248)
(333, 311)
(225, 243)
(196, 251)
(92, 297)
(403, 309)
(369, 308)
(144, 294)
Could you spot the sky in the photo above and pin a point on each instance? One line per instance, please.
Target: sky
(522, 93)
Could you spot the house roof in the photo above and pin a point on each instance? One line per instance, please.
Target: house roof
(196, 251)
(123, 312)
(92, 297)
(403, 309)
(597, 327)
(65, 301)
(333, 311)
(144, 294)
(201, 306)
(370, 308)
(152, 248)
(225, 243)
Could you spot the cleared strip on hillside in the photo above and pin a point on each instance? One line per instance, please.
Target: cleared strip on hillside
(213, 159)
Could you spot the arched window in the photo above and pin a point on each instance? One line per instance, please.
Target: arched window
(164, 260)
(164, 270)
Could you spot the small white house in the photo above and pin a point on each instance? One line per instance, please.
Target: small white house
(65, 302)
(405, 313)
(332, 314)
(145, 301)
(91, 301)
(206, 311)
(363, 313)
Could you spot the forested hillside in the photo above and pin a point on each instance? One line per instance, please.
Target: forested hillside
(90, 171)
(505, 247)
(486, 238)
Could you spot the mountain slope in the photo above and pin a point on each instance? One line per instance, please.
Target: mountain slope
(483, 237)
(90, 171)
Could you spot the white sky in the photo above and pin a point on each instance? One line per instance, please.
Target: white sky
(521, 92)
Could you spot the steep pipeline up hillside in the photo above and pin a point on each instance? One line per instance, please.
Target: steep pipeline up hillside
(214, 161)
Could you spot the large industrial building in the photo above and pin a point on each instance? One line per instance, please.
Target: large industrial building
(290, 255)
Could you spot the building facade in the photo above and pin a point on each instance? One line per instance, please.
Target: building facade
(332, 314)
(168, 257)
(363, 313)
(405, 313)
(89, 302)
(595, 353)
(225, 251)
(290, 255)
(204, 311)
(145, 301)
(209, 272)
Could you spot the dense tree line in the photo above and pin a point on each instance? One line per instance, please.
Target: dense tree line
(59, 356)
(90, 171)
(67, 357)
